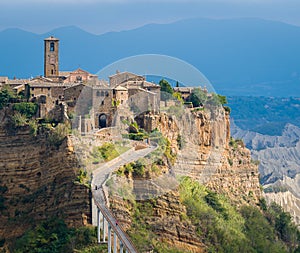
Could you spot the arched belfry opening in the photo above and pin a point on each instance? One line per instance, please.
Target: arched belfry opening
(102, 121)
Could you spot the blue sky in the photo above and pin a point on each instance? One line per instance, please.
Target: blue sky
(100, 16)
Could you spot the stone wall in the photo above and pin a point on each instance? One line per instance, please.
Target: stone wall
(38, 181)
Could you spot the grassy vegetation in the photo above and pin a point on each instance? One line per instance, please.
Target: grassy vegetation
(58, 134)
(225, 229)
(53, 236)
(107, 152)
(220, 225)
(142, 234)
(164, 148)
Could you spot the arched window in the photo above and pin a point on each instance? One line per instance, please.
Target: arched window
(52, 48)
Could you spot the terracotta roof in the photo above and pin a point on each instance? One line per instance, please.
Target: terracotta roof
(64, 73)
(17, 81)
(45, 84)
(52, 38)
(184, 89)
(125, 73)
(3, 78)
(147, 84)
(120, 88)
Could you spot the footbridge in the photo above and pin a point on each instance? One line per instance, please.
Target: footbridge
(108, 229)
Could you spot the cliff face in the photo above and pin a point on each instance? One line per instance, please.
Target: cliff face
(205, 152)
(38, 181)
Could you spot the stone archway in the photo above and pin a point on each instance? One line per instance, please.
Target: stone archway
(102, 121)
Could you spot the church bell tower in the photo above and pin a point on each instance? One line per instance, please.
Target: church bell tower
(51, 68)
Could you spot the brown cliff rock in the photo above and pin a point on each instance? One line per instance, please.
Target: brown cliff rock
(205, 152)
(39, 182)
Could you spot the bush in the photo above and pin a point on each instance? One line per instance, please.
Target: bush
(19, 120)
(26, 108)
(53, 236)
(6, 96)
(138, 168)
(227, 109)
(58, 134)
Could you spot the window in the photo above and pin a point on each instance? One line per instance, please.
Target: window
(52, 71)
(52, 48)
(102, 102)
(98, 93)
(102, 93)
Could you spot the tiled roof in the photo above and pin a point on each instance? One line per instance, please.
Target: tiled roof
(120, 88)
(52, 38)
(184, 89)
(147, 84)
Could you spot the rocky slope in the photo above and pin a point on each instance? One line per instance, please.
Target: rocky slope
(204, 153)
(279, 167)
(37, 181)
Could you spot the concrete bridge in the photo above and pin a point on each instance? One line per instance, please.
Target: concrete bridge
(101, 215)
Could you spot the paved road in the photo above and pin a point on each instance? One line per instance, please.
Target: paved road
(99, 177)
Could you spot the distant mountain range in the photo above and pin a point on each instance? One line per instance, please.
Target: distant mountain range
(238, 56)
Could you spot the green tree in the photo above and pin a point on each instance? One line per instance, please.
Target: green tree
(198, 97)
(26, 108)
(222, 99)
(166, 89)
(6, 96)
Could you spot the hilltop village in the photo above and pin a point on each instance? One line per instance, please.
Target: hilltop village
(57, 92)
(49, 184)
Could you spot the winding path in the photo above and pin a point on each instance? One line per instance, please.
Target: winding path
(100, 175)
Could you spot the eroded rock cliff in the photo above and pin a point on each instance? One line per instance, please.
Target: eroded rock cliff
(204, 151)
(37, 181)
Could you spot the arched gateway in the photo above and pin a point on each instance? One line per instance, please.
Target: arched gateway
(102, 121)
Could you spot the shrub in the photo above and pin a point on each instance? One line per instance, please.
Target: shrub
(6, 96)
(18, 120)
(26, 108)
(227, 109)
(58, 134)
(138, 168)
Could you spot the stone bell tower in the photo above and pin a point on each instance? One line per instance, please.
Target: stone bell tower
(51, 68)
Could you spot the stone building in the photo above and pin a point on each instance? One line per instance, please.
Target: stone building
(93, 102)
(51, 61)
(77, 76)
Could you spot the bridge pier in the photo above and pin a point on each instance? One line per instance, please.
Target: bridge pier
(98, 226)
(115, 242)
(103, 229)
(109, 238)
(121, 247)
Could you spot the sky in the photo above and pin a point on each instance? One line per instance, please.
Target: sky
(100, 16)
